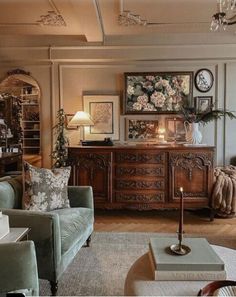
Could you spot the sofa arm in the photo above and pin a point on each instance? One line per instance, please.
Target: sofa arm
(80, 196)
(18, 267)
(45, 232)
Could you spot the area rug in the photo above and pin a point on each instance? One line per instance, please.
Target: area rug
(101, 269)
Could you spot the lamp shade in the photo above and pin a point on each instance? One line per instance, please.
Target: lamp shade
(81, 118)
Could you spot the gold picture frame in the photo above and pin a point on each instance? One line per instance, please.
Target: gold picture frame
(175, 130)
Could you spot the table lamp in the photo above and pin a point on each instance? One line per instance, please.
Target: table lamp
(161, 135)
(80, 120)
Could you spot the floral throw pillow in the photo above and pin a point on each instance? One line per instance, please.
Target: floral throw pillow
(45, 189)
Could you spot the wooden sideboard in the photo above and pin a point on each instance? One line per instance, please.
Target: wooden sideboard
(144, 177)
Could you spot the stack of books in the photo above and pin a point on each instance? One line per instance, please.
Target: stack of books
(202, 263)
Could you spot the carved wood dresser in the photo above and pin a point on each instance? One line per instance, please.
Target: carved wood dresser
(144, 177)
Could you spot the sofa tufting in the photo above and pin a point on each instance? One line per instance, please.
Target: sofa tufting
(59, 234)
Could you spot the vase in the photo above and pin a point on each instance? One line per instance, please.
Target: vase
(193, 134)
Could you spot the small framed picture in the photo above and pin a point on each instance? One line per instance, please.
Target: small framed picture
(141, 130)
(105, 112)
(203, 103)
(175, 130)
(68, 118)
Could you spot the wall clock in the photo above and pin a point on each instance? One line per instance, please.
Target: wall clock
(204, 80)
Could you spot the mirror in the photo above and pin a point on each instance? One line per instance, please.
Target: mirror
(20, 113)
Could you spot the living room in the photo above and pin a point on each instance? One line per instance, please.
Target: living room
(157, 68)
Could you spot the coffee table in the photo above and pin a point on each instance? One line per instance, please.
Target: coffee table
(15, 234)
(139, 280)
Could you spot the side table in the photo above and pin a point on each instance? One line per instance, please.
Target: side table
(139, 280)
(16, 234)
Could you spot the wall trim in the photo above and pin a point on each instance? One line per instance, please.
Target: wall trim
(224, 119)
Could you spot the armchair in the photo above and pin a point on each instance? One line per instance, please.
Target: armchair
(59, 234)
(18, 268)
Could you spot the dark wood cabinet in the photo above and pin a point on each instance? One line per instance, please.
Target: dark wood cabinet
(94, 169)
(193, 171)
(144, 177)
(10, 162)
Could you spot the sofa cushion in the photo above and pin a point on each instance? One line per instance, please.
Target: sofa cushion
(7, 195)
(11, 192)
(73, 224)
(45, 189)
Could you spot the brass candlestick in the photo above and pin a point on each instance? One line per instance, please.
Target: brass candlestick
(180, 249)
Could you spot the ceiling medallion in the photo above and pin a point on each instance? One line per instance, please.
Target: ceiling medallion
(52, 19)
(126, 18)
(225, 16)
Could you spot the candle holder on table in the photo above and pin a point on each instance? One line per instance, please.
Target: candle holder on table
(179, 248)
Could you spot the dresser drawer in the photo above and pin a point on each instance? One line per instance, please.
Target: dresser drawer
(128, 184)
(140, 171)
(140, 157)
(140, 197)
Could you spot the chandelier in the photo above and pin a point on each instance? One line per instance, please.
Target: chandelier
(225, 16)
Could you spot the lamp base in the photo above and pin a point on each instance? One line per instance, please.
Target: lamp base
(180, 250)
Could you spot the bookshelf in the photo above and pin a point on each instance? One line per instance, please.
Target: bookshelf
(31, 138)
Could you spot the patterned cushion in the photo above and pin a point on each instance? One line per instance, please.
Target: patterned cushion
(45, 189)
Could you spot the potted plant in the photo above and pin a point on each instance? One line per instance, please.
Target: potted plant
(192, 119)
(60, 150)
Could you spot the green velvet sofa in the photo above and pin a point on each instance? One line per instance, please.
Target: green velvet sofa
(59, 234)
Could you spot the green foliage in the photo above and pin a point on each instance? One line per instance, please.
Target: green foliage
(207, 117)
(60, 151)
(190, 114)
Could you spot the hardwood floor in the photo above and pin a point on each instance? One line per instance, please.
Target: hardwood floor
(220, 231)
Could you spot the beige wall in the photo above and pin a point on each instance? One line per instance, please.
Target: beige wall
(66, 73)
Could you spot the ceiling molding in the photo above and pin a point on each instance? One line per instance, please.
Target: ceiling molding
(99, 16)
(53, 17)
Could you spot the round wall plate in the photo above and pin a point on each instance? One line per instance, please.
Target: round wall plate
(204, 80)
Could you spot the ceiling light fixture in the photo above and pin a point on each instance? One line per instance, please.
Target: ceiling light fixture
(52, 19)
(226, 15)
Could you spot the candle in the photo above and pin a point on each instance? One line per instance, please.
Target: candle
(0, 214)
(181, 211)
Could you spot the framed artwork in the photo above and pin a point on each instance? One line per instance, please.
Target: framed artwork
(154, 92)
(203, 103)
(175, 130)
(203, 80)
(68, 117)
(105, 112)
(141, 130)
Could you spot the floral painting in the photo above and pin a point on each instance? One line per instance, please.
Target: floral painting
(157, 92)
(141, 129)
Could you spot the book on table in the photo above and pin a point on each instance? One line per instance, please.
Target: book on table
(202, 263)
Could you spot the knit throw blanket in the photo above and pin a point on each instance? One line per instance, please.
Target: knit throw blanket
(224, 191)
